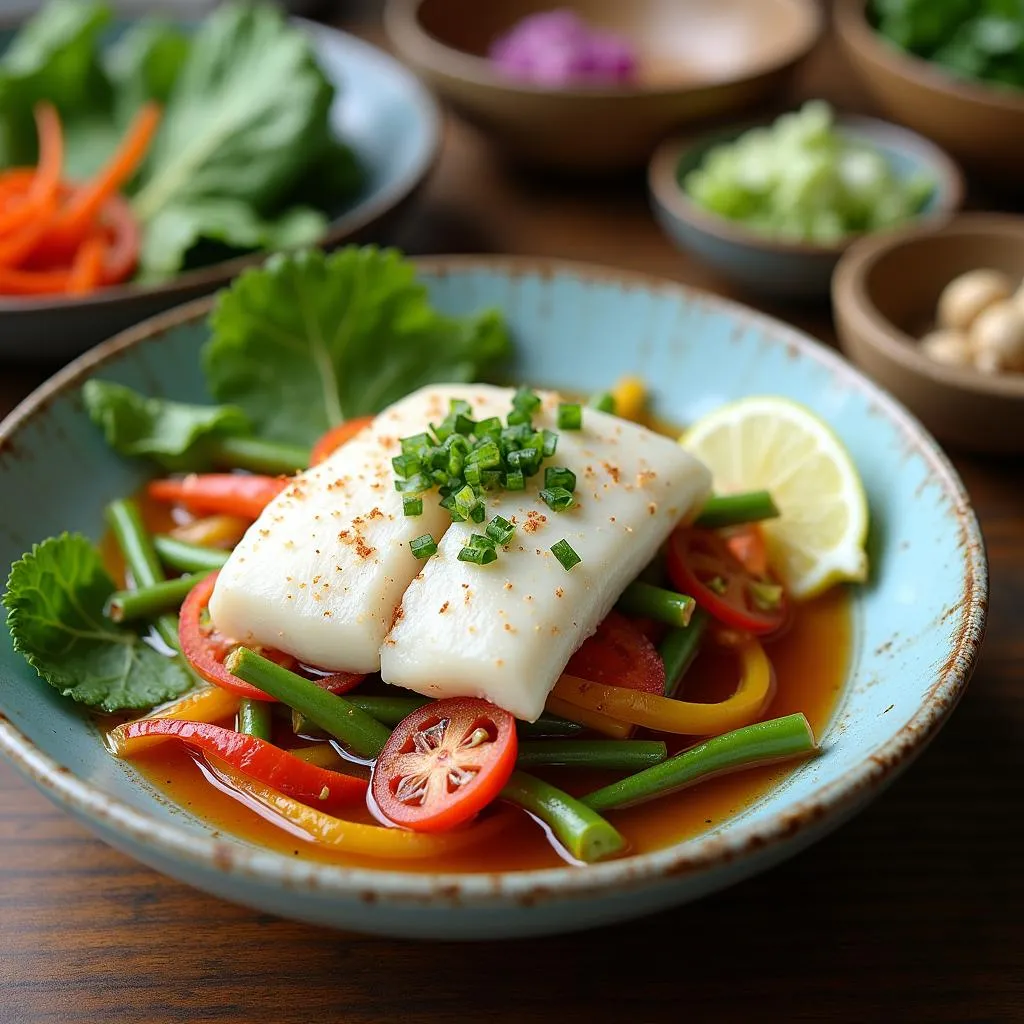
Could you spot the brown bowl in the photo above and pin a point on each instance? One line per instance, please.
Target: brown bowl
(884, 294)
(980, 125)
(698, 59)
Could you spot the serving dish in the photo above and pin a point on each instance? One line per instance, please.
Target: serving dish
(798, 270)
(698, 59)
(390, 120)
(918, 623)
(981, 126)
(884, 294)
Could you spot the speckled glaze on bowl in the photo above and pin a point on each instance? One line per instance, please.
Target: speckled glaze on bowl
(918, 623)
(381, 108)
(793, 270)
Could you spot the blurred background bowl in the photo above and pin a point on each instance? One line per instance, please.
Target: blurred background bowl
(381, 110)
(885, 292)
(982, 126)
(697, 59)
(770, 267)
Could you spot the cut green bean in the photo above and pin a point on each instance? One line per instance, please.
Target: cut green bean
(679, 648)
(185, 557)
(652, 602)
(254, 718)
(762, 743)
(737, 509)
(358, 731)
(149, 602)
(613, 755)
(140, 558)
(580, 829)
(257, 456)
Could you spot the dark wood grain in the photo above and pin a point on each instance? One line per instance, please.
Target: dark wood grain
(913, 912)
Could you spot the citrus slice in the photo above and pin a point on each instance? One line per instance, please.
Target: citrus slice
(778, 445)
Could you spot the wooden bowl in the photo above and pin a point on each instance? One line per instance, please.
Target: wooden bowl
(884, 294)
(982, 126)
(698, 58)
(769, 266)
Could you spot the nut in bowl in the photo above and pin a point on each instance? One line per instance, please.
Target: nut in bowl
(935, 315)
(528, 74)
(772, 207)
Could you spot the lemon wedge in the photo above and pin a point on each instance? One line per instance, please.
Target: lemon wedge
(782, 447)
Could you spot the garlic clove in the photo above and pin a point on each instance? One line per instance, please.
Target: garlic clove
(951, 348)
(997, 338)
(967, 296)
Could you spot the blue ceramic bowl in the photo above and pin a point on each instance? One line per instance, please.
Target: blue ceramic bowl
(918, 623)
(381, 109)
(785, 270)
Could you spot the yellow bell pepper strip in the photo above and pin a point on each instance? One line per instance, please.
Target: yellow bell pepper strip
(665, 714)
(220, 531)
(351, 836)
(210, 704)
(604, 724)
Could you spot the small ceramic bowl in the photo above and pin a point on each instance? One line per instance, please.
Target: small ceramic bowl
(884, 293)
(783, 270)
(388, 117)
(917, 624)
(697, 59)
(982, 126)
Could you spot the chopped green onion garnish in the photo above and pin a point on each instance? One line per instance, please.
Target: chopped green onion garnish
(412, 506)
(514, 480)
(550, 440)
(424, 546)
(414, 485)
(413, 445)
(526, 399)
(458, 406)
(562, 550)
(500, 530)
(490, 427)
(406, 465)
(478, 540)
(559, 476)
(766, 596)
(603, 401)
(478, 555)
(486, 455)
(558, 499)
(570, 416)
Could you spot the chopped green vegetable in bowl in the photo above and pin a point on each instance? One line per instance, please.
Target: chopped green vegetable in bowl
(804, 179)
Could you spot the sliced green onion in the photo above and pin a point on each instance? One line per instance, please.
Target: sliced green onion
(559, 476)
(515, 481)
(490, 427)
(416, 484)
(563, 551)
(406, 465)
(603, 401)
(500, 530)
(478, 555)
(570, 416)
(412, 506)
(526, 399)
(549, 442)
(423, 546)
(558, 499)
(415, 444)
(486, 455)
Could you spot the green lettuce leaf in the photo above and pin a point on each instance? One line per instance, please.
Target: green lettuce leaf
(54, 600)
(145, 63)
(167, 432)
(310, 340)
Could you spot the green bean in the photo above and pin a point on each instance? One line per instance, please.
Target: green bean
(357, 730)
(580, 829)
(141, 559)
(149, 602)
(256, 455)
(679, 648)
(254, 718)
(749, 747)
(737, 509)
(614, 755)
(185, 557)
(652, 602)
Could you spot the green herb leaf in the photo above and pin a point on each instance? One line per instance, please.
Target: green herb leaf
(145, 63)
(297, 343)
(54, 600)
(171, 433)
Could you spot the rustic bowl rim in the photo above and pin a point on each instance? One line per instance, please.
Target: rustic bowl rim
(853, 26)
(666, 191)
(692, 857)
(340, 228)
(403, 27)
(854, 304)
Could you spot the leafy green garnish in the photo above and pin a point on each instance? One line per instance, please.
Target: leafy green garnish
(54, 600)
(168, 432)
(309, 340)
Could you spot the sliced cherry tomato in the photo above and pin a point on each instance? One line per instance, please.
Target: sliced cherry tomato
(336, 437)
(701, 564)
(619, 654)
(288, 774)
(444, 764)
(206, 649)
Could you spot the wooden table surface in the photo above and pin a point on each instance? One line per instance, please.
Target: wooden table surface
(913, 912)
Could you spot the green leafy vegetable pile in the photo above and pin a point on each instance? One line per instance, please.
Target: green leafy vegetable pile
(977, 39)
(245, 143)
(298, 345)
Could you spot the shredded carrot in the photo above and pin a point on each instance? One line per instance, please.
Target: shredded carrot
(87, 269)
(33, 282)
(51, 153)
